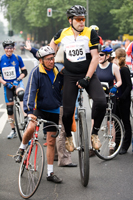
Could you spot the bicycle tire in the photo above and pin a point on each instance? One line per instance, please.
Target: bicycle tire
(106, 152)
(19, 122)
(131, 109)
(29, 179)
(84, 164)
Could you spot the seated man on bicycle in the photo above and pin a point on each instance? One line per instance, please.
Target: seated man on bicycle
(43, 99)
(12, 80)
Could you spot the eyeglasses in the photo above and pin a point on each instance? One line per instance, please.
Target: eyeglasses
(101, 54)
(7, 48)
(49, 59)
(79, 19)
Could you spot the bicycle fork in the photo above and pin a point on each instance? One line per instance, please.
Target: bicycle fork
(30, 150)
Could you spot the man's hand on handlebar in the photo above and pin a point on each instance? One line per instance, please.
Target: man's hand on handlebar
(32, 117)
(9, 85)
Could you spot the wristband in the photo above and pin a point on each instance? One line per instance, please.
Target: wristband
(19, 79)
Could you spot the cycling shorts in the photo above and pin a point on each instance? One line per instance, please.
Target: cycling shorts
(9, 93)
(53, 117)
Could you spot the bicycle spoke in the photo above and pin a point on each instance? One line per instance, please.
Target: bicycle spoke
(30, 178)
(110, 137)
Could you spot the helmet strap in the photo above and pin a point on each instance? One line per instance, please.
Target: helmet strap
(75, 28)
(44, 65)
(104, 60)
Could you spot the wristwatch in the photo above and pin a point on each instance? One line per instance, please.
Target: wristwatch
(87, 78)
(19, 79)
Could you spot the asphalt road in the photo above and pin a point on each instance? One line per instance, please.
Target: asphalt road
(109, 180)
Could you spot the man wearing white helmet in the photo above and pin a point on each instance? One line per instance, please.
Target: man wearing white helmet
(96, 28)
(43, 99)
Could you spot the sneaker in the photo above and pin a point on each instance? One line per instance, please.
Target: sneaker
(54, 178)
(19, 155)
(96, 144)
(12, 134)
(69, 144)
(91, 153)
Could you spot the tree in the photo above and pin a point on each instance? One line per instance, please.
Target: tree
(123, 17)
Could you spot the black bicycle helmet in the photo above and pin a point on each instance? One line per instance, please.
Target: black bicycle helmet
(45, 51)
(76, 10)
(105, 49)
(7, 43)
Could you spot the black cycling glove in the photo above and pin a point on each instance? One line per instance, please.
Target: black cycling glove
(84, 82)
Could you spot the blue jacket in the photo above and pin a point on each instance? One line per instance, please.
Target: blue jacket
(40, 93)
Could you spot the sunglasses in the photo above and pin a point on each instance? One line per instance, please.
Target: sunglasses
(49, 59)
(101, 54)
(79, 19)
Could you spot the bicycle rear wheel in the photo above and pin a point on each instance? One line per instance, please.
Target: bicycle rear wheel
(111, 136)
(29, 179)
(83, 150)
(19, 120)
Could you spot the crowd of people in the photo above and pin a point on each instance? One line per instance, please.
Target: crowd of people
(82, 63)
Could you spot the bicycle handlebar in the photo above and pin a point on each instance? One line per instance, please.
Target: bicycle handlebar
(39, 121)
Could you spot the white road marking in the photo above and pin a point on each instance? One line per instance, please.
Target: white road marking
(3, 118)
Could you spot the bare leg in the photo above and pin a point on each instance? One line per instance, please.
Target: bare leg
(11, 117)
(50, 148)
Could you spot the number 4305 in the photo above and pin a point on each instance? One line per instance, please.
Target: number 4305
(76, 52)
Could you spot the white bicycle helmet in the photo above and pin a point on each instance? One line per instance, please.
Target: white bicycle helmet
(45, 51)
(113, 54)
(95, 27)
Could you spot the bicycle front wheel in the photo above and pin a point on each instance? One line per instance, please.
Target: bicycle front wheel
(19, 120)
(83, 150)
(29, 178)
(111, 136)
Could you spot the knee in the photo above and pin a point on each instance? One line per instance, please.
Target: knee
(10, 109)
(51, 142)
(20, 95)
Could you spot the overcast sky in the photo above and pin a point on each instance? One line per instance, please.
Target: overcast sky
(3, 19)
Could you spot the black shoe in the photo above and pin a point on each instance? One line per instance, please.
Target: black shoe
(54, 178)
(69, 165)
(19, 155)
(122, 151)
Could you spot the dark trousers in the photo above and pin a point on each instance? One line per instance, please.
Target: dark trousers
(70, 92)
(123, 112)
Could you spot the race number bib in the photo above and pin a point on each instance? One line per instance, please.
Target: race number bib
(75, 52)
(9, 73)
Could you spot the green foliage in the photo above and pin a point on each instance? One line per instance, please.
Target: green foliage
(123, 17)
(113, 17)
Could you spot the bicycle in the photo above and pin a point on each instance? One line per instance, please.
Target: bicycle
(111, 134)
(18, 117)
(131, 108)
(83, 141)
(32, 165)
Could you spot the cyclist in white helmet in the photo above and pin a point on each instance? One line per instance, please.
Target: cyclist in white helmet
(96, 28)
(43, 98)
